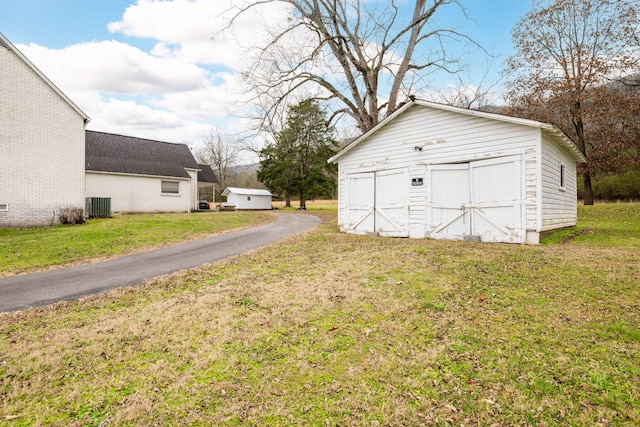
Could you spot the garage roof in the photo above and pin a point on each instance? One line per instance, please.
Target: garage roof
(549, 129)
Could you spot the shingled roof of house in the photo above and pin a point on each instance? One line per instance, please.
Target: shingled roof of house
(206, 174)
(107, 152)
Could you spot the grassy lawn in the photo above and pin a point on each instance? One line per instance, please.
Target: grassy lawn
(42, 247)
(603, 225)
(332, 329)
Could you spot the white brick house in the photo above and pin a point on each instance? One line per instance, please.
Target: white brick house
(42, 144)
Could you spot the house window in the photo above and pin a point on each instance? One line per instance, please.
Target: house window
(248, 198)
(561, 178)
(4, 207)
(170, 187)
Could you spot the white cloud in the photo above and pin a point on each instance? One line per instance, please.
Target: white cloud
(114, 67)
(125, 90)
(176, 91)
(173, 22)
(198, 30)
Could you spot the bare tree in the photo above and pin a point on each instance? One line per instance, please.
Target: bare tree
(467, 95)
(565, 49)
(352, 52)
(221, 153)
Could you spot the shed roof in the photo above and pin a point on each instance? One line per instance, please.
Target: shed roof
(4, 42)
(549, 129)
(246, 191)
(107, 152)
(206, 174)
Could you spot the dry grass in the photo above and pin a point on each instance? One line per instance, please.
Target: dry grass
(332, 329)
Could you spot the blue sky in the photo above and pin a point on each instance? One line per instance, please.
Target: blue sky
(59, 23)
(148, 68)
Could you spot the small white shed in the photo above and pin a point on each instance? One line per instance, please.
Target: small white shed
(248, 198)
(437, 171)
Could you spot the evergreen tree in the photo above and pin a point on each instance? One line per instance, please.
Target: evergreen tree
(296, 163)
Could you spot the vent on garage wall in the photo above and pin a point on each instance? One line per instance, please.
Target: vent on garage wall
(4, 207)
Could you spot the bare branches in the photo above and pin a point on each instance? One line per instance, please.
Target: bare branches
(340, 50)
(567, 50)
(221, 153)
(466, 95)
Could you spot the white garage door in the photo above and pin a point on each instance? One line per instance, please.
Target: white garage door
(478, 200)
(378, 202)
(361, 202)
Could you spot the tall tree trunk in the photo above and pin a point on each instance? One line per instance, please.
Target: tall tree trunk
(405, 64)
(303, 176)
(303, 202)
(588, 190)
(287, 200)
(576, 112)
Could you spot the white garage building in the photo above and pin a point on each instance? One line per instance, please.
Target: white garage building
(437, 171)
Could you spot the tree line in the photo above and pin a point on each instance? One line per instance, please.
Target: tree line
(346, 61)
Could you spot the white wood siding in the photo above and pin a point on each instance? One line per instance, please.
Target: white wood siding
(559, 207)
(531, 189)
(342, 197)
(131, 193)
(41, 147)
(418, 202)
(445, 137)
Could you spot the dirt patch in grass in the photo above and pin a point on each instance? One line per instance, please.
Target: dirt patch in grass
(333, 329)
(576, 233)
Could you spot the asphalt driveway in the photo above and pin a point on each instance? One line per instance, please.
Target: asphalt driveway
(65, 284)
